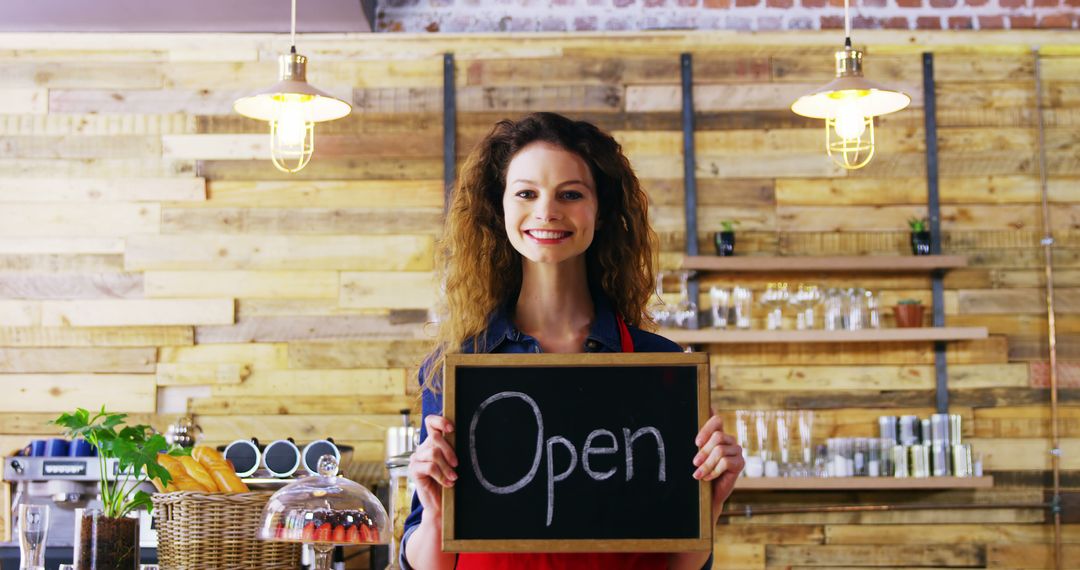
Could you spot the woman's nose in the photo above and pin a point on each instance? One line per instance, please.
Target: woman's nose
(546, 210)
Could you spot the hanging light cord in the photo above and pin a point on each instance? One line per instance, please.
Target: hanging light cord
(292, 39)
(847, 24)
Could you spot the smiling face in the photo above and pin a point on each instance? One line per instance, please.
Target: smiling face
(549, 203)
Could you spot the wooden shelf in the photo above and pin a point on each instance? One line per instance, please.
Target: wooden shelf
(860, 483)
(854, 263)
(714, 336)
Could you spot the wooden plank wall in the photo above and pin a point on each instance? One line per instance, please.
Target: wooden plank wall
(149, 249)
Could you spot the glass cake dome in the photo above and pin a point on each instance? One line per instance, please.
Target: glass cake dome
(325, 510)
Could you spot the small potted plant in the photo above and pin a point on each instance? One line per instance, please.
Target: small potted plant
(109, 537)
(908, 313)
(724, 240)
(920, 236)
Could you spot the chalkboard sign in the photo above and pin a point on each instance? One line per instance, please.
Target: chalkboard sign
(576, 453)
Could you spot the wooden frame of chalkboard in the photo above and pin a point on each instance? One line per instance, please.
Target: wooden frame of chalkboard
(690, 528)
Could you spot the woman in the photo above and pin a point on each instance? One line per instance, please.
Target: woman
(547, 249)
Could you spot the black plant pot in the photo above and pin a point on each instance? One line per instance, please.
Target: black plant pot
(725, 243)
(920, 243)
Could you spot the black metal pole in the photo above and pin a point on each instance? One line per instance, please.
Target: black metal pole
(937, 277)
(689, 165)
(449, 129)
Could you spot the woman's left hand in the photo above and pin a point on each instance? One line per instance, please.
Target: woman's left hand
(719, 459)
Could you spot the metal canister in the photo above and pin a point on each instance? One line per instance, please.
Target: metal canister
(961, 457)
(939, 430)
(909, 430)
(939, 460)
(900, 461)
(887, 428)
(919, 460)
(956, 436)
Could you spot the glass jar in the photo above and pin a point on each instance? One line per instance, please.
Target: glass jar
(106, 543)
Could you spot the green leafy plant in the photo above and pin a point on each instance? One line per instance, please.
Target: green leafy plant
(909, 302)
(917, 224)
(135, 449)
(728, 225)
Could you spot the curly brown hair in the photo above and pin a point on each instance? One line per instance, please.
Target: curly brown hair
(481, 270)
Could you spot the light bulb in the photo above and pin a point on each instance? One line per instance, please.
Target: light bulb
(850, 123)
(291, 127)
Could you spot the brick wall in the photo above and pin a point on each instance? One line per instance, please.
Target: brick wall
(764, 15)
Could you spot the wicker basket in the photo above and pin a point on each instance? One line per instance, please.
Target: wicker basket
(201, 531)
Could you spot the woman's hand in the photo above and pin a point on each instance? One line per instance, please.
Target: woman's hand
(719, 459)
(432, 464)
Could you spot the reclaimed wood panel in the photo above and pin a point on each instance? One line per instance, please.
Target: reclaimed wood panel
(101, 189)
(318, 382)
(386, 290)
(96, 336)
(211, 252)
(25, 100)
(324, 194)
(200, 373)
(255, 356)
(97, 360)
(136, 312)
(72, 220)
(245, 284)
(295, 404)
(65, 392)
(315, 221)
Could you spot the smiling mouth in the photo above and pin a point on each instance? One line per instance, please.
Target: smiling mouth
(548, 234)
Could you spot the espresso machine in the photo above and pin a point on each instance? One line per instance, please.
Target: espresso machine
(65, 484)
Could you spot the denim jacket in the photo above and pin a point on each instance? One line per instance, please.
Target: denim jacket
(503, 337)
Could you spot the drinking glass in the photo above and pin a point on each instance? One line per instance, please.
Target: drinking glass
(806, 436)
(856, 309)
(33, 532)
(774, 298)
(834, 310)
(783, 440)
(804, 300)
(720, 300)
(686, 314)
(873, 309)
(741, 302)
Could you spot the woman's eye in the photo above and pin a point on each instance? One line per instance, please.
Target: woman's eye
(525, 194)
(573, 195)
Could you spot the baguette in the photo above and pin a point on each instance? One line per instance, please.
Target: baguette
(181, 481)
(198, 472)
(221, 470)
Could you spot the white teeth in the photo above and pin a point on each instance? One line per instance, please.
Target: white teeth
(540, 234)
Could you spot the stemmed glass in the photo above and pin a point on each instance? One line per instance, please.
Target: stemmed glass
(774, 298)
(805, 299)
(660, 311)
(686, 315)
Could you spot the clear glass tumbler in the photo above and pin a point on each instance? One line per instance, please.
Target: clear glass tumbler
(33, 533)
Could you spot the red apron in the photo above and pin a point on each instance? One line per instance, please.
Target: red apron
(568, 561)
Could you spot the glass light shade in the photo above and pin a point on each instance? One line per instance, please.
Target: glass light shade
(325, 510)
(852, 152)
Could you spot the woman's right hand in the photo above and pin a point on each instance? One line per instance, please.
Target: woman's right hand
(432, 464)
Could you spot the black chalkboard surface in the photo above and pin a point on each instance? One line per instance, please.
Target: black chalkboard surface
(576, 453)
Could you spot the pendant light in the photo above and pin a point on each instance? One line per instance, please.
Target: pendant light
(849, 104)
(292, 106)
